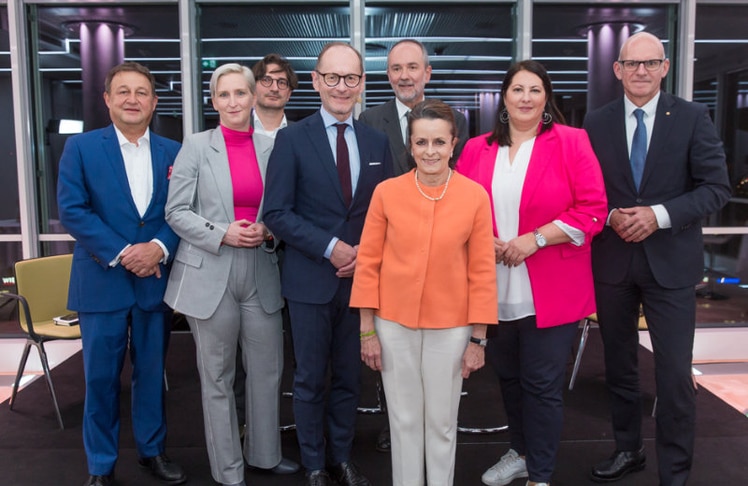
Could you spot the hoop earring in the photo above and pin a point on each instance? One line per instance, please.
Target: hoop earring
(504, 116)
(547, 118)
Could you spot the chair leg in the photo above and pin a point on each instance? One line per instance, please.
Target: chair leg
(48, 376)
(19, 375)
(580, 352)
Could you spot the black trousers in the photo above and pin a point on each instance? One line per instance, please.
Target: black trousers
(671, 317)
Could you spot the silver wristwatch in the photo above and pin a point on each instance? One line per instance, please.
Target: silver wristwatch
(540, 239)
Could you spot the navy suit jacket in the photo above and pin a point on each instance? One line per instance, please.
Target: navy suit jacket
(304, 202)
(384, 117)
(685, 171)
(97, 209)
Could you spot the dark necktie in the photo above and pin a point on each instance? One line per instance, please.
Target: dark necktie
(344, 164)
(638, 147)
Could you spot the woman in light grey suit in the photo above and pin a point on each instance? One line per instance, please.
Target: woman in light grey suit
(225, 278)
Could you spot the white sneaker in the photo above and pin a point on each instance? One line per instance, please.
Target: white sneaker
(509, 468)
(538, 484)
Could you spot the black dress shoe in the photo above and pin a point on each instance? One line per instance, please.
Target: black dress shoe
(347, 474)
(106, 480)
(286, 466)
(165, 470)
(383, 440)
(318, 477)
(620, 464)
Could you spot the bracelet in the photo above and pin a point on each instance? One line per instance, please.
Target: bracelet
(373, 332)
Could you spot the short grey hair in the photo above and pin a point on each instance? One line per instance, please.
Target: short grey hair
(231, 67)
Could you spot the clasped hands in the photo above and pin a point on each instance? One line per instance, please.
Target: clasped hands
(633, 224)
(515, 251)
(245, 234)
(142, 259)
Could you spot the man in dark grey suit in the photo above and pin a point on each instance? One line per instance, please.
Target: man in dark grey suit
(408, 70)
(664, 169)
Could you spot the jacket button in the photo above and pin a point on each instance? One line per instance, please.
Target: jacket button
(638, 200)
(207, 225)
(142, 223)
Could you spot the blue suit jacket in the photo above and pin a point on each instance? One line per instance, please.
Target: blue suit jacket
(97, 209)
(685, 171)
(304, 202)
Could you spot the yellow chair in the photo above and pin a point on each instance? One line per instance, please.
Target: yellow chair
(42, 285)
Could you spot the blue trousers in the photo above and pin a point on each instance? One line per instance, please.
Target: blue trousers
(326, 337)
(106, 336)
(531, 365)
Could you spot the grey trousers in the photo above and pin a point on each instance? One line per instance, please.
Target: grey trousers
(240, 317)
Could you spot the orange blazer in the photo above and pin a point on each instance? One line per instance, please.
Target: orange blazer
(428, 264)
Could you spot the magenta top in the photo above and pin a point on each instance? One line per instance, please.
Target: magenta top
(245, 173)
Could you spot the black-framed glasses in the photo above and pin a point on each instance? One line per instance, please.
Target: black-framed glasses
(649, 64)
(267, 81)
(333, 79)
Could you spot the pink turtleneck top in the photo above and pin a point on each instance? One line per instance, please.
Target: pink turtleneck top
(245, 173)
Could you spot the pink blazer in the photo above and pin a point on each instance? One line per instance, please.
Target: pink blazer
(563, 182)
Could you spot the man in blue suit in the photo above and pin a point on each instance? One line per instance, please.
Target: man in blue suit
(664, 170)
(320, 178)
(111, 194)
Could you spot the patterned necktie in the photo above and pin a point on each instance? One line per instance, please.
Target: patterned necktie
(344, 165)
(638, 148)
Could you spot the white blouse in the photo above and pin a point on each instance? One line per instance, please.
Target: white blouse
(515, 293)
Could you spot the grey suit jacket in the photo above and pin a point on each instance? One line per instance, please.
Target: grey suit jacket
(199, 209)
(384, 117)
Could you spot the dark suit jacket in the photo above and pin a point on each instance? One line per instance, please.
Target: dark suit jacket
(304, 202)
(97, 208)
(384, 117)
(685, 171)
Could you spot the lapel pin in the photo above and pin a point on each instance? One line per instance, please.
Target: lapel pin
(667, 113)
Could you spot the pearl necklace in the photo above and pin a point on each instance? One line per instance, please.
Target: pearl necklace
(446, 185)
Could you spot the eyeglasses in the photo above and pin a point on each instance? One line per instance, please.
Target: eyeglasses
(267, 81)
(332, 79)
(649, 64)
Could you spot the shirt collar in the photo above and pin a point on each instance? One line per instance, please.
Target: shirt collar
(258, 123)
(650, 108)
(330, 120)
(123, 140)
(402, 108)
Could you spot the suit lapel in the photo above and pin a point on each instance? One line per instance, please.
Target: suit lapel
(158, 163)
(542, 152)
(218, 163)
(114, 158)
(663, 125)
(395, 136)
(318, 138)
(620, 145)
(263, 147)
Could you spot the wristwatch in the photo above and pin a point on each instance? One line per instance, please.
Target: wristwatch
(478, 341)
(540, 239)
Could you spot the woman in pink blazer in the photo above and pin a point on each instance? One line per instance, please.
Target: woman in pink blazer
(548, 201)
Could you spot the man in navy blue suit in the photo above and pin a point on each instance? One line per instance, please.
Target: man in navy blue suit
(664, 170)
(111, 194)
(320, 178)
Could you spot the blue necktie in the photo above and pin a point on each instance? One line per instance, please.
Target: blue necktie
(638, 147)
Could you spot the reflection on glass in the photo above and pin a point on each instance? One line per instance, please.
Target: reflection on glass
(9, 209)
(76, 48)
(246, 33)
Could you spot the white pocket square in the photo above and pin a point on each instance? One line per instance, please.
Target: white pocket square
(375, 163)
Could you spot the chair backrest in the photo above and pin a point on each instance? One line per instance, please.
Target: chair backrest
(44, 283)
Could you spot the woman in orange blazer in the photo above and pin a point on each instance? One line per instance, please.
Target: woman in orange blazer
(425, 284)
(548, 201)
